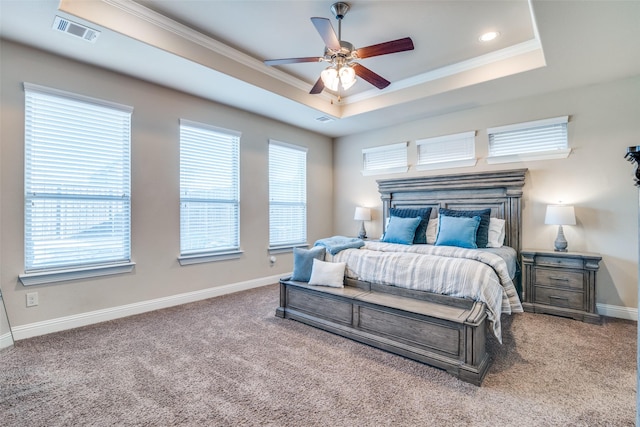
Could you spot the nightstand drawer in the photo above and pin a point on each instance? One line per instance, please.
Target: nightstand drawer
(559, 298)
(559, 262)
(559, 278)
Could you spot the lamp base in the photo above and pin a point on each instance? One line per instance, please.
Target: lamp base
(561, 242)
(363, 232)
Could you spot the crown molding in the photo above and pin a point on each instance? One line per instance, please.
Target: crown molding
(187, 33)
(452, 70)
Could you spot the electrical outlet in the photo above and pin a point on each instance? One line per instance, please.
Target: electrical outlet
(32, 299)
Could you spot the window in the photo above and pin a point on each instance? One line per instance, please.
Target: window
(209, 193)
(287, 195)
(537, 140)
(385, 159)
(450, 151)
(77, 184)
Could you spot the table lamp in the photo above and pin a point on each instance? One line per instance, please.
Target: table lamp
(362, 214)
(560, 215)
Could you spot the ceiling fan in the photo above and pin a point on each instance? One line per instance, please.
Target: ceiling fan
(341, 55)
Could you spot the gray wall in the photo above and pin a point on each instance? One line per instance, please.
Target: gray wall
(155, 184)
(604, 120)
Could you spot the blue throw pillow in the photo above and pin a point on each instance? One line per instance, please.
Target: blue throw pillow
(458, 231)
(401, 230)
(482, 235)
(303, 262)
(424, 213)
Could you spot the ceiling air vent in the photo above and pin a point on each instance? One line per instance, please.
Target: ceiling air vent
(75, 29)
(324, 119)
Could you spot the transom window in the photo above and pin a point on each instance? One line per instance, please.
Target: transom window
(536, 140)
(385, 159)
(448, 151)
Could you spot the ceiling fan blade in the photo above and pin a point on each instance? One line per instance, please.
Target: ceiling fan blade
(318, 87)
(324, 27)
(368, 75)
(393, 46)
(292, 60)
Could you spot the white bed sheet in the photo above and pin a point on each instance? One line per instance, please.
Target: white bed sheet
(479, 275)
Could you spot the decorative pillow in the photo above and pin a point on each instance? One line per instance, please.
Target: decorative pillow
(482, 236)
(496, 233)
(458, 231)
(327, 274)
(424, 213)
(401, 230)
(432, 231)
(303, 262)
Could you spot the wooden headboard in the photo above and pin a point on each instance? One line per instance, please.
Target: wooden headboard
(499, 190)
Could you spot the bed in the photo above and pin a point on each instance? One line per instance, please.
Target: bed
(407, 315)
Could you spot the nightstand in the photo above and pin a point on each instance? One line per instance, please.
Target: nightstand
(560, 283)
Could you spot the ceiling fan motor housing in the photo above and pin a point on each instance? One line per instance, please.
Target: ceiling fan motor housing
(345, 52)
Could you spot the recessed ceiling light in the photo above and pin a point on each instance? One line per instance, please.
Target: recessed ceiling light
(487, 37)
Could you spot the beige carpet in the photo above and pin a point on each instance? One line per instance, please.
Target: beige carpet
(229, 361)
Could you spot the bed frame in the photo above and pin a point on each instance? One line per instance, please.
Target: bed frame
(439, 330)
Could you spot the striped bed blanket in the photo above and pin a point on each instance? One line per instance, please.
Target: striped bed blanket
(466, 273)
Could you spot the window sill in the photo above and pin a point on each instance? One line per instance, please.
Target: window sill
(208, 257)
(524, 157)
(447, 165)
(387, 171)
(285, 249)
(54, 276)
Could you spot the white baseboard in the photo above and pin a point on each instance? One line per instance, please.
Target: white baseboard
(6, 340)
(89, 318)
(92, 317)
(617, 311)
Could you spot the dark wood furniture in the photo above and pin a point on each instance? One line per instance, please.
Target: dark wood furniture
(561, 283)
(439, 330)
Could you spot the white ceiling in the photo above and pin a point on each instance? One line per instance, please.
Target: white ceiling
(215, 49)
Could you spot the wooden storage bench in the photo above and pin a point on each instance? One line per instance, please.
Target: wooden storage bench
(438, 330)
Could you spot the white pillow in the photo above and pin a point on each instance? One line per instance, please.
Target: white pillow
(432, 231)
(496, 233)
(327, 274)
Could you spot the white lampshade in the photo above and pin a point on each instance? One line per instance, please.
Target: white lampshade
(332, 77)
(329, 77)
(347, 77)
(560, 215)
(362, 214)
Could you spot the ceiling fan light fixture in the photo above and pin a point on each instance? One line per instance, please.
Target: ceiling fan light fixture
(347, 77)
(330, 78)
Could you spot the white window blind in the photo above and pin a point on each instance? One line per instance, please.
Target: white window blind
(385, 159)
(287, 195)
(77, 180)
(457, 150)
(531, 140)
(209, 189)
